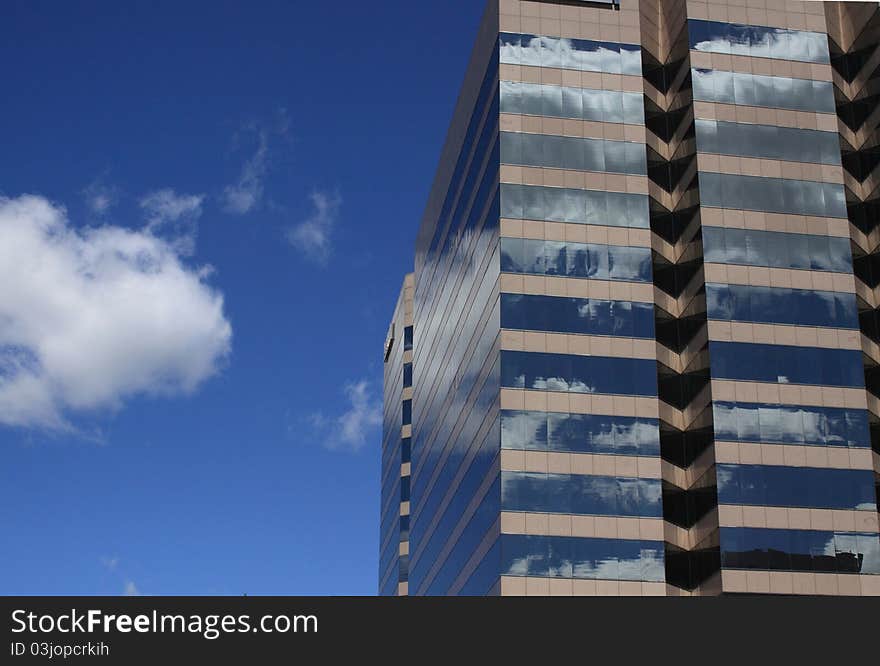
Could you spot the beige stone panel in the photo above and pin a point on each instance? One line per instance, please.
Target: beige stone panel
(513, 586)
(809, 395)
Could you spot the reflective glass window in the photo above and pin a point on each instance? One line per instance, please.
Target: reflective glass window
(573, 153)
(712, 85)
(580, 494)
(572, 557)
(758, 41)
(580, 433)
(539, 99)
(773, 249)
(600, 262)
(779, 305)
(577, 315)
(786, 365)
(580, 54)
(578, 374)
(556, 204)
(809, 487)
(767, 142)
(772, 195)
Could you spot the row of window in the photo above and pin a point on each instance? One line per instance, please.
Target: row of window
(775, 249)
(580, 433)
(557, 204)
(584, 55)
(779, 305)
(767, 142)
(786, 365)
(573, 153)
(585, 316)
(581, 495)
(781, 424)
(780, 92)
(579, 260)
(799, 550)
(537, 99)
(758, 41)
(808, 487)
(571, 557)
(578, 374)
(772, 195)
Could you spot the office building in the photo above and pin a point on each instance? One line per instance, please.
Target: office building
(646, 351)
(396, 447)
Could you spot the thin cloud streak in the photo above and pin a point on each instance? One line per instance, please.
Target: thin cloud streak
(313, 237)
(174, 217)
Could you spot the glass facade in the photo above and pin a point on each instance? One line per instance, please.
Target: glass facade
(557, 204)
(537, 99)
(579, 260)
(567, 557)
(601, 432)
(768, 142)
(578, 374)
(585, 316)
(573, 153)
(580, 495)
(772, 195)
(786, 365)
(584, 55)
(774, 485)
(779, 305)
(580, 433)
(800, 550)
(774, 249)
(758, 41)
(777, 92)
(794, 424)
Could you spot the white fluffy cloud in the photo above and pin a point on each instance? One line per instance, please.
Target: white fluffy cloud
(174, 217)
(314, 235)
(91, 317)
(351, 429)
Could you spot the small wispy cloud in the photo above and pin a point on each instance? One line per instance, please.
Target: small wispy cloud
(110, 563)
(129, 588)
(174, 217)
(100, 197)
(314, 235)
(246, 193)
(351, 429)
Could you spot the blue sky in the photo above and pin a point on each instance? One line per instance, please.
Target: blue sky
(206, 210)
